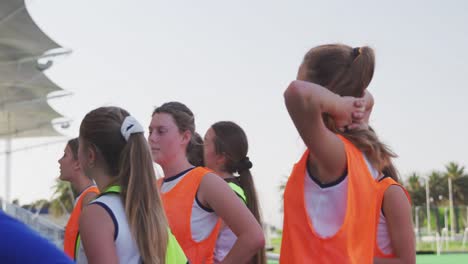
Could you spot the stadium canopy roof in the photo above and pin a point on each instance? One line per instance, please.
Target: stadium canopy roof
(25, 53)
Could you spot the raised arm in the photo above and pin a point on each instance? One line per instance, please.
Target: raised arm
(306, 103)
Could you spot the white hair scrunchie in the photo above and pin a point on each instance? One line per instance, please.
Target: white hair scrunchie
(130, 126)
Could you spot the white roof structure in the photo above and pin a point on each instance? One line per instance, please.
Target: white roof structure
(24, 89)
(25, 53)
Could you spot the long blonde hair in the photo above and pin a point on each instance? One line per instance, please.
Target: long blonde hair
(348, 71)
(131, 165)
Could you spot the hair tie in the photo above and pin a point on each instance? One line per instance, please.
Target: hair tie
(244, 164)
(356, 52)
(130, 126)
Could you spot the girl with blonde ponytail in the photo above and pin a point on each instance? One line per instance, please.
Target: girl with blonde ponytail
(126, 223)
(332, 198)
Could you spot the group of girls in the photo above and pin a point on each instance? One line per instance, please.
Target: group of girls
(342, 202)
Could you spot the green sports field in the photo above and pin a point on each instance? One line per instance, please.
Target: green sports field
(442, 259)
(431, 259)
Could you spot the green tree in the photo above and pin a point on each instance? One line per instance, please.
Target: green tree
(62, 201)
(438, 195)
(455, 173)
(416, 190)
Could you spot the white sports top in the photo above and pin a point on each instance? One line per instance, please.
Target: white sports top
(326, 207)
(126, 247)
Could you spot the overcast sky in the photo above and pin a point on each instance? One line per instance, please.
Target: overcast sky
(232, 60)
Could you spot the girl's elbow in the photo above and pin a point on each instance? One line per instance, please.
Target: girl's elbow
(407, 261)
(295, 96)
(259, 241)
(253, 240)
(410, 259)
(292, 91)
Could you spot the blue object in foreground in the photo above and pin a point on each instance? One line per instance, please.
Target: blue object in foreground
(20, 244)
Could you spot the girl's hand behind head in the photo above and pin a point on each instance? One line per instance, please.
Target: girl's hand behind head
(348, 112)
(361, 121)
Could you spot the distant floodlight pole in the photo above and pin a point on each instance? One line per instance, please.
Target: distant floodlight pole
(452, 217)
(428, 208)
(446, 227)
(8, 162)
(8, 169)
